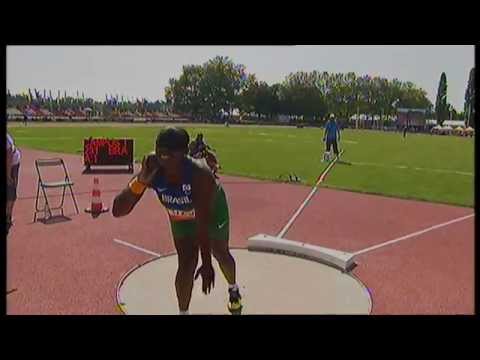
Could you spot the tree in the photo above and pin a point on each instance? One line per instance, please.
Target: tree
(245, 101)
(274, 99)
(222, 83)
(208, 89)
(262, 99)
(184, 94)
(300, 96)
(469, 108)
(349, 96)
(441, 106)
(266, 100)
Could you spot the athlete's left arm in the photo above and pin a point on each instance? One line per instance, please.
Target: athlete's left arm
(203, 191)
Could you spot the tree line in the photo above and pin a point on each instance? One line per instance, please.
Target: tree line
(220, 86)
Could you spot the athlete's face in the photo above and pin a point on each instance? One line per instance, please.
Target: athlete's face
(169, 159)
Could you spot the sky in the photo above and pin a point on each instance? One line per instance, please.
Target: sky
(144, 71)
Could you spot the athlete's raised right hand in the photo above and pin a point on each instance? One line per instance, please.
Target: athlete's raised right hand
(150, 166)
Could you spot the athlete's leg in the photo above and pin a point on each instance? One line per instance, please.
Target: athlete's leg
(327, 151)
(329, 146)
(187, 263)
(335, 147)
(219, 232)
(12, 195)
(222, 254)
(9, 214)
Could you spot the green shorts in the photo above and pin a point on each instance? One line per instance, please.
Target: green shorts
(219, 227)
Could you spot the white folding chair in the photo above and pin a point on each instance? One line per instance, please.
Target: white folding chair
(43, 185)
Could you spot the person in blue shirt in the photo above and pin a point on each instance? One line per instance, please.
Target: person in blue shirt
(332, 135)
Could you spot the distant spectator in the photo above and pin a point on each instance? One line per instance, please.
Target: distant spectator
(199, 149)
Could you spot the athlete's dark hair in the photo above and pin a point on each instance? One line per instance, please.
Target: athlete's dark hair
(173, 138)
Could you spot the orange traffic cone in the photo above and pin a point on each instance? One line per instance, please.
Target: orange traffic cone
(97, 206)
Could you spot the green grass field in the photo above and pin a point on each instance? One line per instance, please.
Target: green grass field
(422, 167)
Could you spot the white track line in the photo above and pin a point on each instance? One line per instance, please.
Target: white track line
(304, 204)
(412, 235)
(136, 247)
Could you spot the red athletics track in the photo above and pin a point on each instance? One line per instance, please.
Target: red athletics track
(73, 267)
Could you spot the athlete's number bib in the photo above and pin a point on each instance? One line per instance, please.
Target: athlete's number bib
(181, 215)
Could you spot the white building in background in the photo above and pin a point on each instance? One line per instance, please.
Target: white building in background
(14, 114)
(451, 123)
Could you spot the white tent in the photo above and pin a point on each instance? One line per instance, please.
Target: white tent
(13, 111)
(454, 123)
(447, 130)
(14, 114)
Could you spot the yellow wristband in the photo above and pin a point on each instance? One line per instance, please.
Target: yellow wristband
(137, 187)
